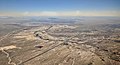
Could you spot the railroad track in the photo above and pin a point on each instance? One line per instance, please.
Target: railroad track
(54, 46)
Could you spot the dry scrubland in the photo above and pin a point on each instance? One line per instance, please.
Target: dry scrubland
(79, 43)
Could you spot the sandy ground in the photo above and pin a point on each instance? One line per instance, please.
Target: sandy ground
(82, 48)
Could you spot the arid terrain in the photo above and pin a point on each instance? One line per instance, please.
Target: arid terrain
(60, 41)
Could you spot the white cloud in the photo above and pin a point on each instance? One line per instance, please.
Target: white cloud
(64, 13)
(26, 13)
(48, 13)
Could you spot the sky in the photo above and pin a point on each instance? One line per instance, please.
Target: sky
(59, 7)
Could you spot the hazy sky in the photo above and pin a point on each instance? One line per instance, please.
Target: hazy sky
(59, 7)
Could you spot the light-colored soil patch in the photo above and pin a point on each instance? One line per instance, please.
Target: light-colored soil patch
(25, 35)
(8, 47)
